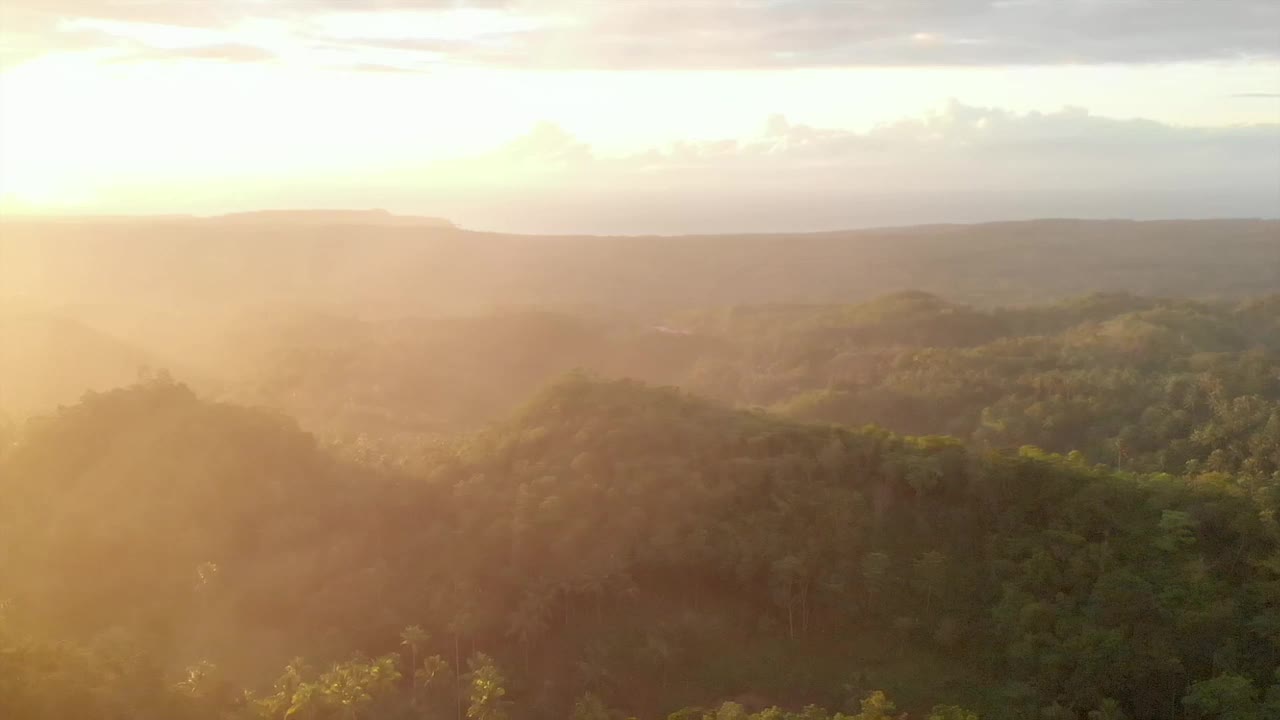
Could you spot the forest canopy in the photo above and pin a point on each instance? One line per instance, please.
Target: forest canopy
(643, 546)
(712, 505)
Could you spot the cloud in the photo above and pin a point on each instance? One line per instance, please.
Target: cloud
(377, 68)
(547, 144)
(228, 52)
(676, 34)
(16, 48)
(989, 139)
(204, 12)
(961, 163)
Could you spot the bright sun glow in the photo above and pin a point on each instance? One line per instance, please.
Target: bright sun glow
(135, 115)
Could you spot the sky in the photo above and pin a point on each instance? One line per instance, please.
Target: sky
(644, 116)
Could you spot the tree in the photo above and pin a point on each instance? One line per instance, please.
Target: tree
(346, 690)
(487, 691)
(1108, 710)
(876, 707)
(529, 620)
(589, 707)
(1225, 697)
(875, 570)
(786, 579)
(432, 667)
(929, 575)
(200, 679)
(414, 638)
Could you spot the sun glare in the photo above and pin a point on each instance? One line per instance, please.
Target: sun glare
(457, 24)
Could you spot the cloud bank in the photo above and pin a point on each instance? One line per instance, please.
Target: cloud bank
(961, 163)
(721, 34)
(986, 142)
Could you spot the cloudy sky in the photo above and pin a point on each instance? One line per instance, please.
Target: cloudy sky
(628, 116)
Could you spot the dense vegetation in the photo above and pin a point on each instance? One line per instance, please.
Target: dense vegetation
(637, 544)
(364, 502)
(1138, 384)
(1141, 384)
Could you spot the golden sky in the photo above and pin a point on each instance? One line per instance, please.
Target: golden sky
(477, 108)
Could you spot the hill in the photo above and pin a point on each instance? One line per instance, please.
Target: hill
(1142, 383)
(371, 260)
(329, 217)
(47, 359)
(1147, 384)
(651, 548)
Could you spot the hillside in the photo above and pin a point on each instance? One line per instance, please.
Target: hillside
(48, 359)
(640, 360)
(432, 472)
(1142, 383)
(367, 261)
(634, 543)
(1148, 384)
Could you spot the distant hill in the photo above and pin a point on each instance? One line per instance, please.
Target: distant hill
(374, 259)
(47, 360)
(331, 217)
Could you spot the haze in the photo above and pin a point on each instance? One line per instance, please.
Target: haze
(639, 359)
(637, 117)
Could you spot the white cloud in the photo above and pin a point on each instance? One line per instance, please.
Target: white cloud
(960, 163)
(726, 33)
(957, 132)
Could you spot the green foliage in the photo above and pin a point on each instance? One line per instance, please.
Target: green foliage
(1225, 697)
(876, 707)
(950, 712)
(487, 692)
(619, 545)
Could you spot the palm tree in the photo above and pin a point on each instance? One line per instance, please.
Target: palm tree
(487, 691)
(414, 637)
(528, 621)
(461, 623)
